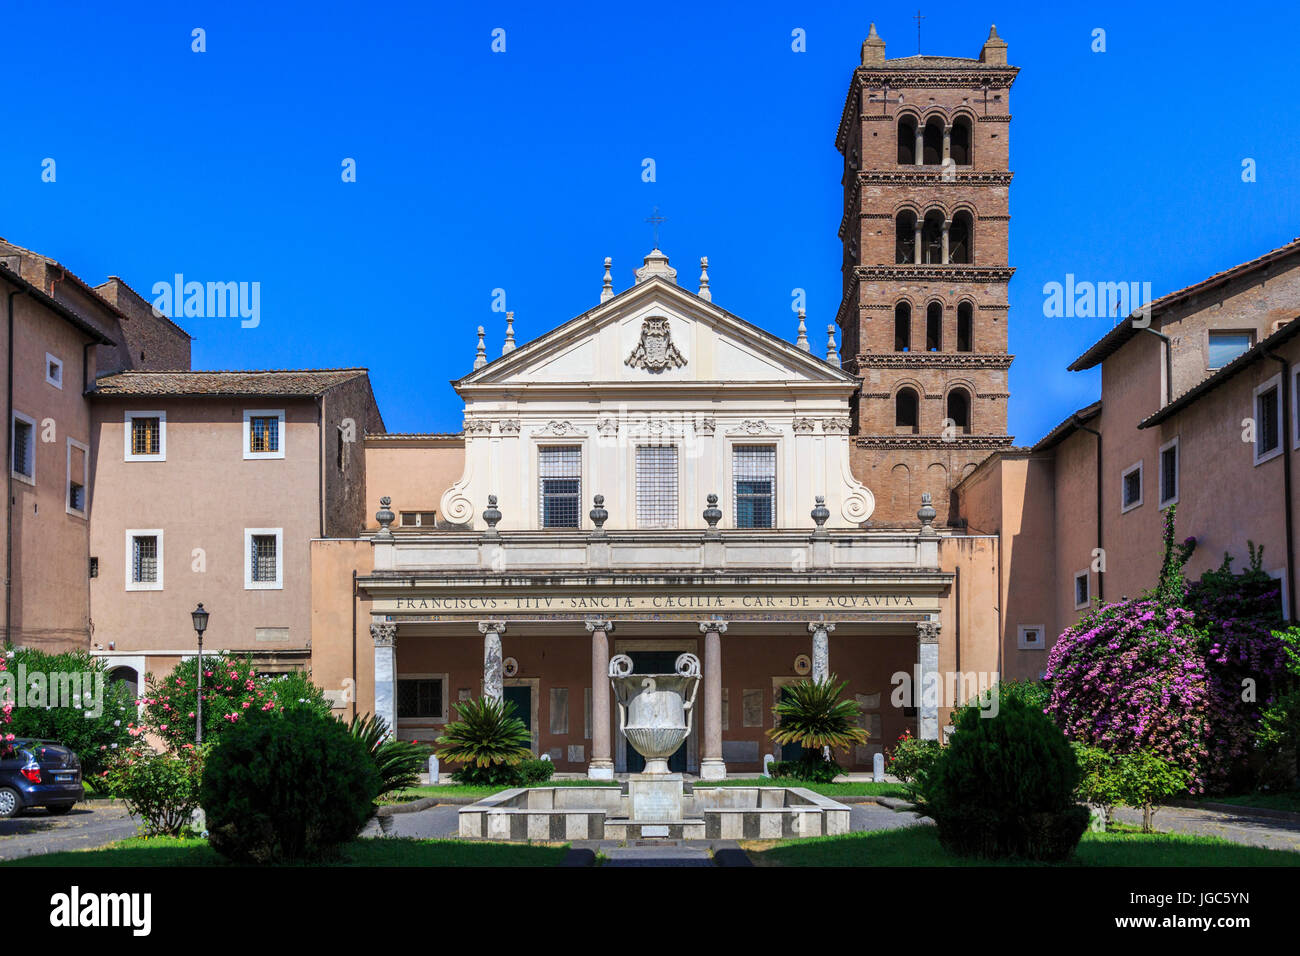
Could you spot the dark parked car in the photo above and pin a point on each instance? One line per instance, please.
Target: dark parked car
(39, 773)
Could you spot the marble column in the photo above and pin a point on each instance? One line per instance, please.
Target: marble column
(947, 143)
(926, 693)
(602, 760)
(916, 242)
(947, 224)
(385, 638)
(821, 650)
(711, 765)
(920, 143)
(493, 684)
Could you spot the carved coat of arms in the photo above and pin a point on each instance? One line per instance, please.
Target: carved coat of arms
(655, 351)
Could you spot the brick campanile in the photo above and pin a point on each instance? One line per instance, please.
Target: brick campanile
(923, 316)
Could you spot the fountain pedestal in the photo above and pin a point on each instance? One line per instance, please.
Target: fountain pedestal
(655, 797)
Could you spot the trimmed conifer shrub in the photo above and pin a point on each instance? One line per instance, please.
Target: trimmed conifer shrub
(1005, 787)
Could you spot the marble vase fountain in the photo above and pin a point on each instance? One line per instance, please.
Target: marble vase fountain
(655, 715)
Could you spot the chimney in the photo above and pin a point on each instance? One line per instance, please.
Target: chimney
(873, 49)
(994, 52)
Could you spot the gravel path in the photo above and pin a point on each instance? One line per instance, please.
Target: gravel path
(1275, 834)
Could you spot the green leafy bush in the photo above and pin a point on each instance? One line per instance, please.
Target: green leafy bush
(910, 756)
(1004, 787)
(812, 715)
(399, 762)
(162, 789)
(94, 729)
(293, 786)
(1099, 784)
(810, 768)
(1145, 779)
(489, 740)
(536, 771)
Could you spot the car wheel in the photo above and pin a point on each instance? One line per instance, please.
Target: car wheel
(9, 802)
(59, 809)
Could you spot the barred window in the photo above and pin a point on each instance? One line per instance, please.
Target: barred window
(262, 553)
(419, 698)
(418, 519)
(24, 448)
(146, 436)
(76, 496)
(263, 434)
(753, 469)
(560, 474)
(656, 486)
(144, 561)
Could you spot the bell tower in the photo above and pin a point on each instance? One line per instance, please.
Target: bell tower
(923, 313)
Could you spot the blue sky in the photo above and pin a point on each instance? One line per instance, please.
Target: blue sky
(522, 170)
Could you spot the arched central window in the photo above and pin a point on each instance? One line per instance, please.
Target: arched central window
(959, 409)
(959, 141)
(960, 247)
(965, 328)
(932, 238)
(932, 143)
(907, 141)
(933, 327)
(902, 327)
(906, 411)
(905, 237)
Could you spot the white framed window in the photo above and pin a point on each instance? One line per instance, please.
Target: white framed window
(753, 472)
(263, 433)
(144, 559)
(656, 486)
(422, 698)
(78, 478)
(559, 470)
(145, 436)
(22, 447)
(1030, 637)
(1131, 488)
(1225, 345)
(1268, 420)
(263, 559)
(1168, 477)
(1082, 590)
(54, 370)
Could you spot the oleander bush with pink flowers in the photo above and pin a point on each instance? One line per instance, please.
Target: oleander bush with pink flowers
(1163, 673)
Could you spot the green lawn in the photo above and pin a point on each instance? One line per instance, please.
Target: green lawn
(919, 846)
(171, 851)
(1287, 800)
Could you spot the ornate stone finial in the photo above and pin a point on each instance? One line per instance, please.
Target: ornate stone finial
(873, 49)
(820, 515)
(802, 341)
(994, 52)
(712, 514)
(832, 353)
(656, 264)
(704, 292)
(510, 334)
(598, 514)
(491, 515)
(480, 354)
(385, 517)
(927, 514)
(607, 290)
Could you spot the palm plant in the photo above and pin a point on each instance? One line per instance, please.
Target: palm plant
(399, 762)
(487, 736)
(813, 716)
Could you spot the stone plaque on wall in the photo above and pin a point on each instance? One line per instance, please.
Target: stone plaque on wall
(869, 701)
(277, 634)
(463, 693)
(556, 754)
(752, 707)
(726, 717)
(559, 710)
(740, 751)
(577, 753)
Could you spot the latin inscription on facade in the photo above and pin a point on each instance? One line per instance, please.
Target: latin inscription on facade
(656, 602)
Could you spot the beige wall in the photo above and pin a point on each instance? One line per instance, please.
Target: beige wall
(413, 471)
(50, 593)
(203, 496)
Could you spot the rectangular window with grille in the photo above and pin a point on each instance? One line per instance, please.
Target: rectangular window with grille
(263, 557)
(753, 469)
(1169, 473)
(24, 448)
(656, 486)
(144, 563)
(559, 468)
(1267, 430)
(146, 436)
(263, 434)
(421, 697)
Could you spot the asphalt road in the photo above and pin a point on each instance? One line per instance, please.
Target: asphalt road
(86, 826)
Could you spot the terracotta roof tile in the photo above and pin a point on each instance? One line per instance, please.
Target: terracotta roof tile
(305, 382)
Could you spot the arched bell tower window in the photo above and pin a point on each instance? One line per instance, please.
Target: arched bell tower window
(961, 249)
(965, 327)
(906, 411)
(932, 142)
(907, 140)
(905, 237)
(960, 141)
(902, 327)
(933, 327)
(959, 409)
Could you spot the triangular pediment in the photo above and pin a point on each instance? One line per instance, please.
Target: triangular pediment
(656, 334)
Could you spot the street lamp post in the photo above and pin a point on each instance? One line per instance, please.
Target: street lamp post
(200, 618)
